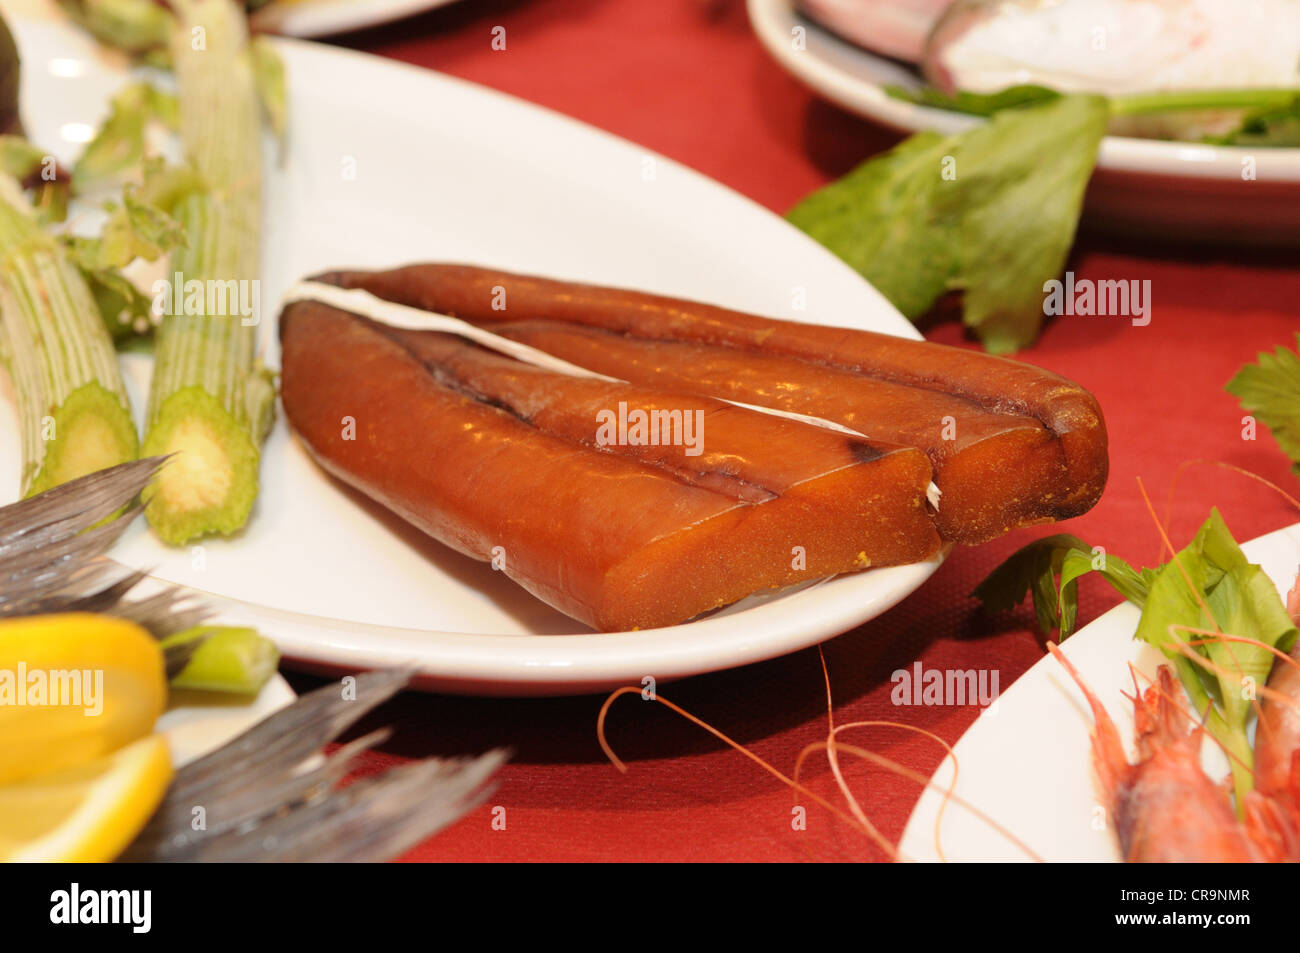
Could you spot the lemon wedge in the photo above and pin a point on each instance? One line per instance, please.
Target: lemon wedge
(73, 688)
(88, 813)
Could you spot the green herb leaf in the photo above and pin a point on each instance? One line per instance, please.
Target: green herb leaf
(1035, 568)
(134, 230)
(1273, 128)
(127, 311)
(991, 211)
(1270, 117)
(883, 219)
(974, 104)
(1019, 193)
(1240, 598)
(140, 226)
(118, 146)
(1243, 602)
(1270, 390)
(165, 186)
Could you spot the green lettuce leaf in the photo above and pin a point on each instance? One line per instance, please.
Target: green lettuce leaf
(127, 311)
(140, 226)
(1242, 601)
(119, 145)
(975, 104)
(883, 219)
(1239, 597)
(1019, 193)
(1270, 390)
(1034, 569)
(991, 211)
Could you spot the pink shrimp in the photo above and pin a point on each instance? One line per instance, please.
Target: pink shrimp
(1164, 808)
(1277, 736)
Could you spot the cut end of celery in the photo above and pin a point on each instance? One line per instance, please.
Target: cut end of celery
(231, 659)
(209, 484)
(89, 431)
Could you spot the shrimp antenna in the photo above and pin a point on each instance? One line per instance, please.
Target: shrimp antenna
(1164, 538)
(1188, 464)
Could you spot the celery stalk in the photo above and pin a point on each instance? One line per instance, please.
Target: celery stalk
(210, 402)
(229, 659)
(73, 408)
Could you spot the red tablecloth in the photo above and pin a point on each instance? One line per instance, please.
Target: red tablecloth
(687, 78)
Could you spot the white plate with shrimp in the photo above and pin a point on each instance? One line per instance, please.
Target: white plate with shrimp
(385, 164)
(1025, 764)
(1184, 189)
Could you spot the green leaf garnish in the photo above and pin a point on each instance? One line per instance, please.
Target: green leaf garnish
(1019, 193)
(1270, 390)
(1243, 602)
(119, 145)
(883, 219)
(991, 211)
(1210, 582)
(140, 226)
(975, 104)
(1035, 568)
(126, 310)
(1271, 115)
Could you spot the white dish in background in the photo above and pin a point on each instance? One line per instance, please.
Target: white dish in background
(388, 164)
(309, 19)
(1177, 189)
(1026, 762)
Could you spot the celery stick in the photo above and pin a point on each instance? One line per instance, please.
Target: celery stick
(73, 407)
(231, 659)
(210, 402)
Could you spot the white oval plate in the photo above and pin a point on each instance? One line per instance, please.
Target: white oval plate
(388, 164)
(1144, 184)
(308, 19)
(1026, 762)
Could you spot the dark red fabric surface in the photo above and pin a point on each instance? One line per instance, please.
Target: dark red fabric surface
(687, 78)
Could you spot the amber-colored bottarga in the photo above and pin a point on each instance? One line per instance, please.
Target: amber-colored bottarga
(1011, 444)
(496, 458)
